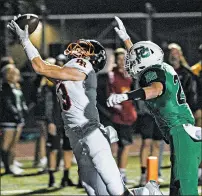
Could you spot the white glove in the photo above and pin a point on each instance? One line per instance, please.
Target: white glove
(23, 35)
(116, 99)
(121, 31)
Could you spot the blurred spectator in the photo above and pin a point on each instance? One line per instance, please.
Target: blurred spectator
(177, 60)
(12, 111)
(197, 70)
(39, 97)
(123, 115)
(6, 60)
(151, 139)
(61, 59)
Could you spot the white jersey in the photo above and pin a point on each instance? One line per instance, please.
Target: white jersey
(78, 98)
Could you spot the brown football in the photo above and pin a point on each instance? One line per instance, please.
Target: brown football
(31, 20)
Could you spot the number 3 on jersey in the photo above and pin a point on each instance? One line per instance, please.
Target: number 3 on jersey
(180, 93)
(63, 97)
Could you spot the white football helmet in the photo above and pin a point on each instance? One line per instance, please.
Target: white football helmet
(142, 55)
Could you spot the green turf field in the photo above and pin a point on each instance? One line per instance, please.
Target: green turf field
(31, 184)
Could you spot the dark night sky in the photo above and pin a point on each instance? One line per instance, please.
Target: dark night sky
(117, 6)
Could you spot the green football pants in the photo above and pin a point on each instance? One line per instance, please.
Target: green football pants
(185, 159)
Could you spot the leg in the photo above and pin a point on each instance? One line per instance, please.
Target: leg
(157, 148)
(160, 156)
(88, 175)
(42, 143)
(124, 144)
(185, 159)
(8, 137)
(198, 117)
(90, 178)
(15, 142)
(68, 155)
(146, 127)
(145, 151)
(52, 167)
(53, 145)
(100, 152)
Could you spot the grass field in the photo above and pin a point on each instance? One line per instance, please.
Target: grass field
(30, 183)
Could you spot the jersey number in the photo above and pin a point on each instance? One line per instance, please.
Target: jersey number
(180, 93)
(81, 62)
(63, 97)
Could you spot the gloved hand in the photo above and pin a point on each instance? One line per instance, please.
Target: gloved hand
(23, 35)
(121, 30)
(116, 99)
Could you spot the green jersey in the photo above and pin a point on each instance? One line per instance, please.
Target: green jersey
(170, 108)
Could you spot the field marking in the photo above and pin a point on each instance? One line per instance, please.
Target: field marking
(15, 192)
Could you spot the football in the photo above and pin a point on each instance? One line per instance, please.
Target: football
(28, 19)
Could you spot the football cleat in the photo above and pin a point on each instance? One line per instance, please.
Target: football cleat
(153, 188)
(16, 170)
(66, 182)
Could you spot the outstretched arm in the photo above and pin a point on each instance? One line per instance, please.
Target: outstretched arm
(121, 31)
(40, 66)
(56, 72)
(149, 92)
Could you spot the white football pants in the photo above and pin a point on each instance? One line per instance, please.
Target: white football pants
(98, 171)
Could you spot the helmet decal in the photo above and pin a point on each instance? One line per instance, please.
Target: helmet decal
(142, 52)
(142, 55)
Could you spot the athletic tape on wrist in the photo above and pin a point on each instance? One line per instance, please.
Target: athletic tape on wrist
(30, 50)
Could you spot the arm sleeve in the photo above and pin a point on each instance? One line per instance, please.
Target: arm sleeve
(153, 75)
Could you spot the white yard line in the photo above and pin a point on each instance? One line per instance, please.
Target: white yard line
(15, 192)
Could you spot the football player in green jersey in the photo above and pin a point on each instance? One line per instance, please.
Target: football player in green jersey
(164, 97)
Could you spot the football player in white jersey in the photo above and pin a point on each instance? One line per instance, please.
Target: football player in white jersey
(76, 89)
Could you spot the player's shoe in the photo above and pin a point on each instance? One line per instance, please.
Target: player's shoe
(66, 182)
(16, 170)
(17, 163)
(143, 180)
(151, 188)
(43, 162)
(160, 179)
(2, 164)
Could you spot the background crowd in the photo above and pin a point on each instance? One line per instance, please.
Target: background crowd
(28, 102)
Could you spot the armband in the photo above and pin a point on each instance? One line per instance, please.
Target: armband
(137, 94)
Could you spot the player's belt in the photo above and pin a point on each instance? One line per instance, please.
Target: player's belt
(82, 131)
